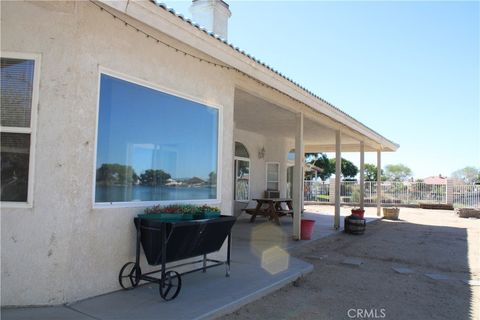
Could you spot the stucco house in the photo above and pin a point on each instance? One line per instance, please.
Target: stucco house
(100, 98)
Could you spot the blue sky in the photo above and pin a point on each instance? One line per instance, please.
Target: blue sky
(158, 137)
(408, 70)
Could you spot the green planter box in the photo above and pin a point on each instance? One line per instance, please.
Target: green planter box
(179, 216)
(167, 216)
(212, 215)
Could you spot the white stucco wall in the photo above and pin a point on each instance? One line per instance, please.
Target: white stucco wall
(276, 150)
(62, 249)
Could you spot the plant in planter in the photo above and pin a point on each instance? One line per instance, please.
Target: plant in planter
(358, 212)
(209, 212)
(175, 212)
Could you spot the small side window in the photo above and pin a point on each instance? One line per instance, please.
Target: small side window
(273, 169)
(17, 104)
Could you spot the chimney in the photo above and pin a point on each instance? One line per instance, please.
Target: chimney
(212, 15)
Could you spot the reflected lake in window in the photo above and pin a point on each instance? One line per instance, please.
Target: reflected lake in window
(153, 146)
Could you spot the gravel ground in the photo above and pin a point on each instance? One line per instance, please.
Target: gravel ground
(433, 242)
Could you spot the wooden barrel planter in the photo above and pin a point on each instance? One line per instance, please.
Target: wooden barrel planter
(391, 213)
(354, 225)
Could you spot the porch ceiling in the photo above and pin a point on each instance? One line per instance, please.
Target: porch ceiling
(257, 115)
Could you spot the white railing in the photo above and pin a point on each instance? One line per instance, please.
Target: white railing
(466, 196)
(395, 193)
(317, 191)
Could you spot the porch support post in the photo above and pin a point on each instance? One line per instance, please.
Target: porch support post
(379, 182)
(362, 175)
(298, 177)
(338, 171)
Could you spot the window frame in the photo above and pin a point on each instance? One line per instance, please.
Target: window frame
(153, 86)
(32, 130)
(266, 174)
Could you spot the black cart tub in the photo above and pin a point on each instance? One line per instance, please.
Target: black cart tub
(169, 241)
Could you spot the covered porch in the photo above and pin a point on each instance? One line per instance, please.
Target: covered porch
(271, 135)
(261, 263)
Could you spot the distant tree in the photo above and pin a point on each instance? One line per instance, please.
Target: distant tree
(397, 172)
(154, 177)
(348, 169)
(212, 178)
(469, 175)
(321, 161)
(370, 172)
(195, 180)
(116, 174)
(311, 157)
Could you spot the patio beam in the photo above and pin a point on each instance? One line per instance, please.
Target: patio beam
(338, 171)
(362, 175)
(379, 182)
(298, 177)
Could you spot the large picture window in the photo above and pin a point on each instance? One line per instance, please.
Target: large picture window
(19, 84)
(153, 146)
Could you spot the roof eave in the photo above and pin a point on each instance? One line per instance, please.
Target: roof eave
(181, 29)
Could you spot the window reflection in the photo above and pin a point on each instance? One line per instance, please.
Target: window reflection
(153, 146)
(14, 156)
(242, 173)
(272, 175)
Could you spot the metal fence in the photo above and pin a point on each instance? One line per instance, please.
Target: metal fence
(317, 191)
(395, 193)
(466, 196)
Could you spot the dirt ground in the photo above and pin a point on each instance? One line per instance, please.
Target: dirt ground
(434, 242)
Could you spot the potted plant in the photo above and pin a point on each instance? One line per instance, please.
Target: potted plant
(209, 212)
(391, 213)
(173, 212)
(177, 212)
(358, 212)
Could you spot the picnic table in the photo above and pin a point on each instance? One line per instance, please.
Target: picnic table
(271, 208)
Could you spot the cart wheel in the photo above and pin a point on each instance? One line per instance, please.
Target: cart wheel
(170, 286)
(227, 270)
(132, 272)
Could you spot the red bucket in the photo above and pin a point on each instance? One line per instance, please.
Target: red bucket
(306, 229)
(358, 213)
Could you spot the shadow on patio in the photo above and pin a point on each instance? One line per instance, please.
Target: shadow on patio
(261, 263)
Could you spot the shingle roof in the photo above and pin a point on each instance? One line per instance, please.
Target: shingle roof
(215, 36)
(435, 180)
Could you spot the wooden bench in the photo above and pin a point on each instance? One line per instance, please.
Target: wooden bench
(270, 208)
(284, 212)
(260, 212)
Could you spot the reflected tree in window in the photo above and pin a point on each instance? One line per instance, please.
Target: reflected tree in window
(154, 178)
(154, 146)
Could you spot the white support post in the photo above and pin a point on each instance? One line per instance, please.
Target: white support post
(232, 182)
(379, 183)
(298, 178)
(449, 192)
(338, 171)
(331, 191)
(362, 175)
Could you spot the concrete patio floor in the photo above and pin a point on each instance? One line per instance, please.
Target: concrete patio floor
(261, 263)
(426, 265)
